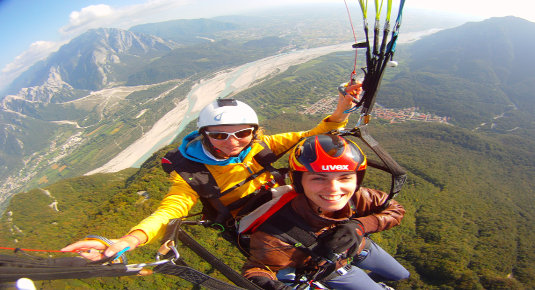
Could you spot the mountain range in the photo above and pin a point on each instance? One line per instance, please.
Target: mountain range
(41, 115)
(469, 197)
(96, 59)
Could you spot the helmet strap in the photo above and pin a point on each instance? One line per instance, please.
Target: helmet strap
(211, 148)
(360, 178)
(297, 177)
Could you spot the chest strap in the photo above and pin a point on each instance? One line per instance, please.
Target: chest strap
(297, 232)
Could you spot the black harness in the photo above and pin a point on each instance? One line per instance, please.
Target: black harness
(199, 178)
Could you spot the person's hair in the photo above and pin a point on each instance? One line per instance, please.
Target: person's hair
(259, 134)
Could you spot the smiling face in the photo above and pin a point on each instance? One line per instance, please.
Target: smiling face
(231, 146)
(329, 191)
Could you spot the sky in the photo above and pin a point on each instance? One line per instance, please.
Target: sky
(31, 29)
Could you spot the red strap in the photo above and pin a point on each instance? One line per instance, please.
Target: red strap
(273, 209)
(36, 250)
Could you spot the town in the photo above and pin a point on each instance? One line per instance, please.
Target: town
(326, 105)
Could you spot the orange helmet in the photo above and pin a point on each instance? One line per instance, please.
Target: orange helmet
(326, 153)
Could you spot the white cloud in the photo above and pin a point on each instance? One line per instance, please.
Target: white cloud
(36, 52)
(89, 13)
(102, 15)
(96, 16)
(88, 17)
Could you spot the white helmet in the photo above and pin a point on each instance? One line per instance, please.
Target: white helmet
(226, 112)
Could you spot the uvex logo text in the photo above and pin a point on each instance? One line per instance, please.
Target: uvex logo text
(335, 167)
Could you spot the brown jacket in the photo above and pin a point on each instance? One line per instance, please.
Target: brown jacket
(269, 254)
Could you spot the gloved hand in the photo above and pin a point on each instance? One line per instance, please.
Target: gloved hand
(344, 237)
(269, 284)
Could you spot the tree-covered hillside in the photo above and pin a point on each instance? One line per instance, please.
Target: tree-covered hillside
(477, 72)
(204, 58)
(469, 221)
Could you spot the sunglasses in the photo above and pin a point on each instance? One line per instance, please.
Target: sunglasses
(243, 133)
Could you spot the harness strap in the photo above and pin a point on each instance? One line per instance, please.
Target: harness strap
(338, 272)
(265, 158)
(226, 270)
(297, 233)
(194, 173)
(399, 175)
(195, 277)
(14, 267)
(222, 213)
(199, 178)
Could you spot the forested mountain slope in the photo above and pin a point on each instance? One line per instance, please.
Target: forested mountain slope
(474, 72)
(469, 221)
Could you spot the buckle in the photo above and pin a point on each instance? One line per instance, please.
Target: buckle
(343, 270)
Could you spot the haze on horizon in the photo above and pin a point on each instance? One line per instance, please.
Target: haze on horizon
(38, 28)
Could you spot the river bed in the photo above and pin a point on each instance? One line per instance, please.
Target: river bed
(221, 84)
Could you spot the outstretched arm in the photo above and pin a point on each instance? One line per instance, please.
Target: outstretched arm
(96, 250)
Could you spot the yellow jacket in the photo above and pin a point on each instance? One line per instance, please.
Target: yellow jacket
(182, 197)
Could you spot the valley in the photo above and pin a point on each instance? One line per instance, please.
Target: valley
(219, 85)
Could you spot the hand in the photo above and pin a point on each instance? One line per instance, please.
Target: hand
(345, 237)
(345, 102)
(89, 249)
(96, 250)
(354, 89)
(269, 284)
